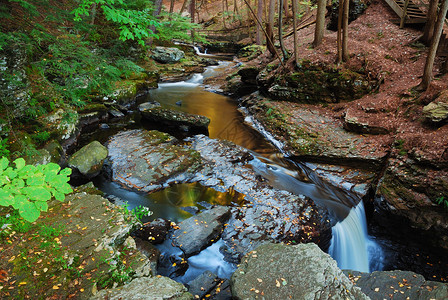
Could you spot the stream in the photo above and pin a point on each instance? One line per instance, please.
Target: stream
(351, 246)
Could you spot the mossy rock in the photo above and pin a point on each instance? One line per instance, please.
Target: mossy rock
(252, 51)
(320, 84)
(89, 159)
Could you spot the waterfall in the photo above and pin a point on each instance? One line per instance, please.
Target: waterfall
(351, 246)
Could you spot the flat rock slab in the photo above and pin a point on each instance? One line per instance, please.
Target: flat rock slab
(147, 288)
(169, 117)
(312, 134)
(278, 271)
(203, 284)
(198, 232)
(399, 285)
(148, 160)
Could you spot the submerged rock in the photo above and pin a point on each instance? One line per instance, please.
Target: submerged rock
(167, 55)
(277, 271)
(157, 114)
(198, 232)
(147, 288)
(89, 159)
(398, 285)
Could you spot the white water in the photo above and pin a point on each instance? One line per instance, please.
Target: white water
(351, 246)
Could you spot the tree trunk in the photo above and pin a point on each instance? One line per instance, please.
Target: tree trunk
(258, 40)
(171, 7)
(223, 15)
(286, 8)
(155, 13)
(320, 22)
(280, 31)
(184, 6)
(339, 33)
(270, 27)
(236, 11)
(345, 54)
(431, 16)
(427, 74)
(294, 26)
(192, 13)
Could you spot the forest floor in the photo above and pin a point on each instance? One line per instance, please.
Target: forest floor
(397, 59)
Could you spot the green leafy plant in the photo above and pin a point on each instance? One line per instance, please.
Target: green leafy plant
(27, 188)
(141, 211)
(442, 201)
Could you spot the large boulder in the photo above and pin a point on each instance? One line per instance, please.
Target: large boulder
(89, 159)
(198, 232)
(147, 288)
(167, 55)
(185, 121)
(148, 160)
(278, 271)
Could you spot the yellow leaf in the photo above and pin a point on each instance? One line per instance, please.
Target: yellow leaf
(55, 287)
(22, 283)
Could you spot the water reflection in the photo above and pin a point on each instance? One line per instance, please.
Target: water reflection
(226, 121)
(171, 203)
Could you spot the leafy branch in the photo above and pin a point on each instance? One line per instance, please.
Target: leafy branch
(27, 188)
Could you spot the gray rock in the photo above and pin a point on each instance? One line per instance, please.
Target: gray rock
(203, 284)
(198, 232)
(155, 113)
(89, 159)
(147, 288)
(278, 271)
(148, 160)
(116, 113)
(150, 251)
(249, 74)
(398, 285)
(148, 105)
(167, 55)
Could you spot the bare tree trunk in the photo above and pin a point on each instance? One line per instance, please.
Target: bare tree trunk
(280, 30)
(224, 15)
(286, 8)
(236, 11)
(171, 7)
(270, 27)
(430, 22)
(184, 6)
(427, 74)
(155, 13)
(339, 34)
(192, 13)
(258, 40)
(345, 54)
(320, 23)
(294, 25)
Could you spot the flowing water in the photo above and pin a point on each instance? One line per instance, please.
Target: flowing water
(350, 243)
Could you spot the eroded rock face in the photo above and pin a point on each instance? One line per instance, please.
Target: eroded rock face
(408, 193)
(184, 121)
(167, 55)
(148, 160)
(398, 285)
(89, 159)
(147, 288)
(277, 271)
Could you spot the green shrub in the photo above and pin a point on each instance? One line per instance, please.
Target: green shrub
(27, 188)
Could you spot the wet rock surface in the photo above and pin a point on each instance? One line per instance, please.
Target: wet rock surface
(89, 159)
(147, 288)
(203, 284)
(182, 120)
(198, 232)
(148, 160)
(311, 134)
(398, 285)
(155, 232)
(278, 271)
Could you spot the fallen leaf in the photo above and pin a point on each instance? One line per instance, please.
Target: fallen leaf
(55, 287)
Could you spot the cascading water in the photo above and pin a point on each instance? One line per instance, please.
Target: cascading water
(351, 246)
